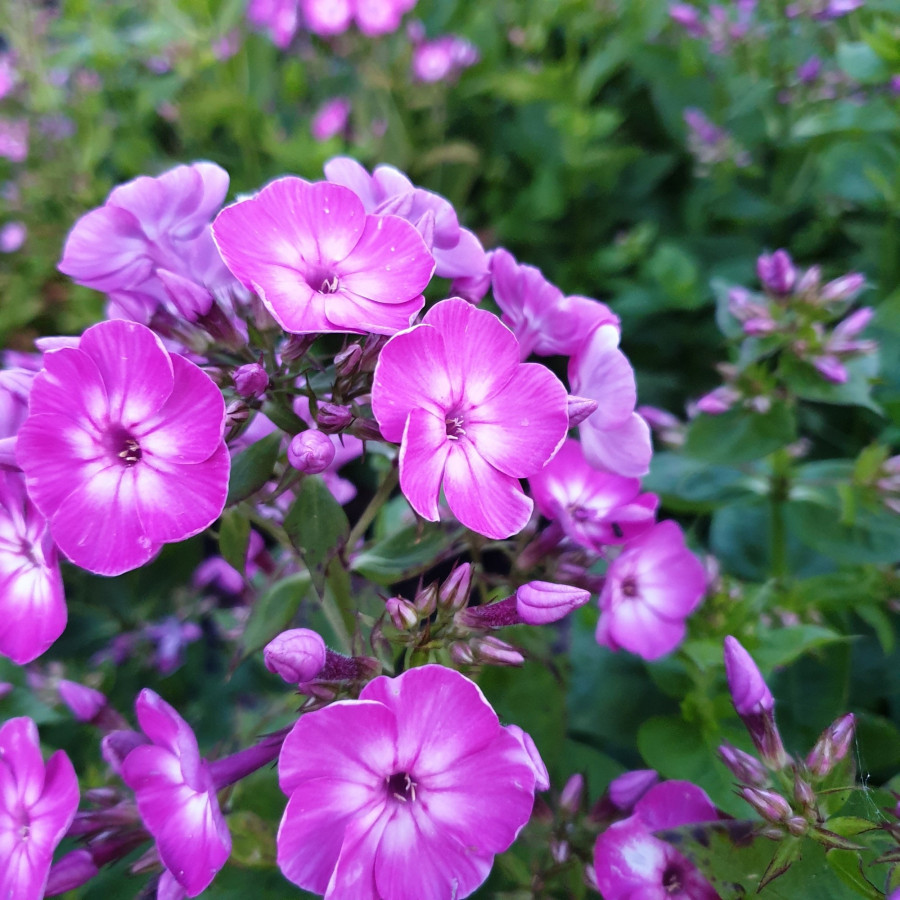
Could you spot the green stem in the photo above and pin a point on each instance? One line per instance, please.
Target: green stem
(391, 479)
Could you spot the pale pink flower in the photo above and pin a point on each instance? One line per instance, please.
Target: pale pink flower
(650, 589)
(14, 139)
(37, 805)
(320, 263)
(372, 17)
(12, 237)
(408, 791)
(176, 796)
(331, 119)
(469, 417)
(443, 58)
(280, 18)
(123, 449)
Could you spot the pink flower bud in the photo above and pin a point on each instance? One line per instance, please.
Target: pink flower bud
(771, 806)
(84, 702)
(296, 655)
(809, 281)
(844, 288)
(746, 768)
(333, 418)
(579, 409)
(571, 795)
(831, 369)
(749, 691)
(461, 654)
(832, 746)
(718, 401)
(541, 602)
(777, 272)
(402, 613)
(311, 452)
(629, 787)
(804, 795)
(493, 651)
(426, 600)
(347, 361)
(454, 592)
(250, 380)
(70, 872)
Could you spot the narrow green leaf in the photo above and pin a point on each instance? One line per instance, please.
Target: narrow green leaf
(402, 554)
(252, 468)
(234, 535)
(847, 865)
(273, 612)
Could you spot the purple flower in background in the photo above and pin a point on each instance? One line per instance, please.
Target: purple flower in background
(822, 10)
(457, 252)
(809, 71)
(443, 58)
(320, 263)
(151, 239)
(688, 17)
(15, 388)
(32, 603)
(650, 589)
(594, 508)
(469, 417)
(14, 139)
(176, 796)
(614, 438)
(8, 74)
(37, 805)
(12, 237)
(331, 119)
(373, 17)
(409, 791)
(630, 862)
(123, 450)
(280, 18)
(543, 320)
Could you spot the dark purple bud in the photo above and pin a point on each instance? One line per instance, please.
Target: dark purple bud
(348, 668)
(297, 655)
(426, 599)
(832, 746)
(250, 380)
(333, 418)
(777, 273)
(365, 430)
(490, 615)
(311, 452)
(804, 795)
(296, 347)
(236, 413)
(232, 769)
(347, 361)
(461, 654)
(746, 768)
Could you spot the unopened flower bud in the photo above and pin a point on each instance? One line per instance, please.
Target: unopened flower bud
(426, 599)
(844, 288)
(777, 272)
(809, 281)
(495, 652)
(70, 872)
(559, 850)
(348, 668)
(347, 361)
(311, 452)
(746, 768)
(771, 806)
(454, 592)
(402, 613)
(629, 787)
(365, 430)
(461, 654)
(84, 702)
(297, 655)
(250, 380)
(296, 347)
(718, 401)
(236, 413)
(804, 795)
(571, 795)
(579, 408)
(797, 825)
(333, 418)
(542, 602)
(832, 746)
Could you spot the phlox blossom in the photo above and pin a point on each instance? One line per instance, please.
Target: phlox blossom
(468, 415)
(650, 589)
(37, 805)
(280, 18)
(123, 447)
(176, 796)
(408, 791)
(320, 263)
(373, 17)
(32, 604)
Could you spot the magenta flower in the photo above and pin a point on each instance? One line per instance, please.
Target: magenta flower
(12, 236)
(615, 437)
(443, 58)
(409, 791)
(650, 589)
(152, 235)
(280, 18)
(373, 17)
(469, 416)
(176, 796)
(32, 603)
(320, 263)
(297, 655)
(630, 862)
(331, 119)
(37, 805)
(594, 508)
(15, 389)
(122, 450)
(543, 320)
(458, 254)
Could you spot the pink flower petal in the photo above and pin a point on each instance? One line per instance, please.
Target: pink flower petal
(602, 372)
(633, 626)
(625, 449)
(483, 498)
(422, 458)
(52, 393)
(33, 610)
(348, 172)
(346, 311)
(20, 751)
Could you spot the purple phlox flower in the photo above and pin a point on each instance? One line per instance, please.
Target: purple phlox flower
(176, 796)
(227, 45)
(37, 805)
(543, 320)
(594, 508)
(123, 450)
(469, 417)
(14, 139)
(777, 272)
(320, 263)
(84, 702)
(15, 389)
(297, 655)
(409, 791)
(331, 119)
(809, 71)
(625, 790)
(443, 58)
(822, 10)
(32, 602)
(280, 18)
(151, 242)
(718, 401)
(650, 589)
(171, 638)
(630, 862)
(12, 237)
(614, 438)
(373, 17)
(8, 74)
(457, 252)
(688, 17)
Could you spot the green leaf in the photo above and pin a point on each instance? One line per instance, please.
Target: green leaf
(234, 536)
(317, 527)
(847, 865)
(252, 468)
(740, 435)
(783, 645)
(273, 612)
(402, 555)
(692, 484)
(806, 382)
